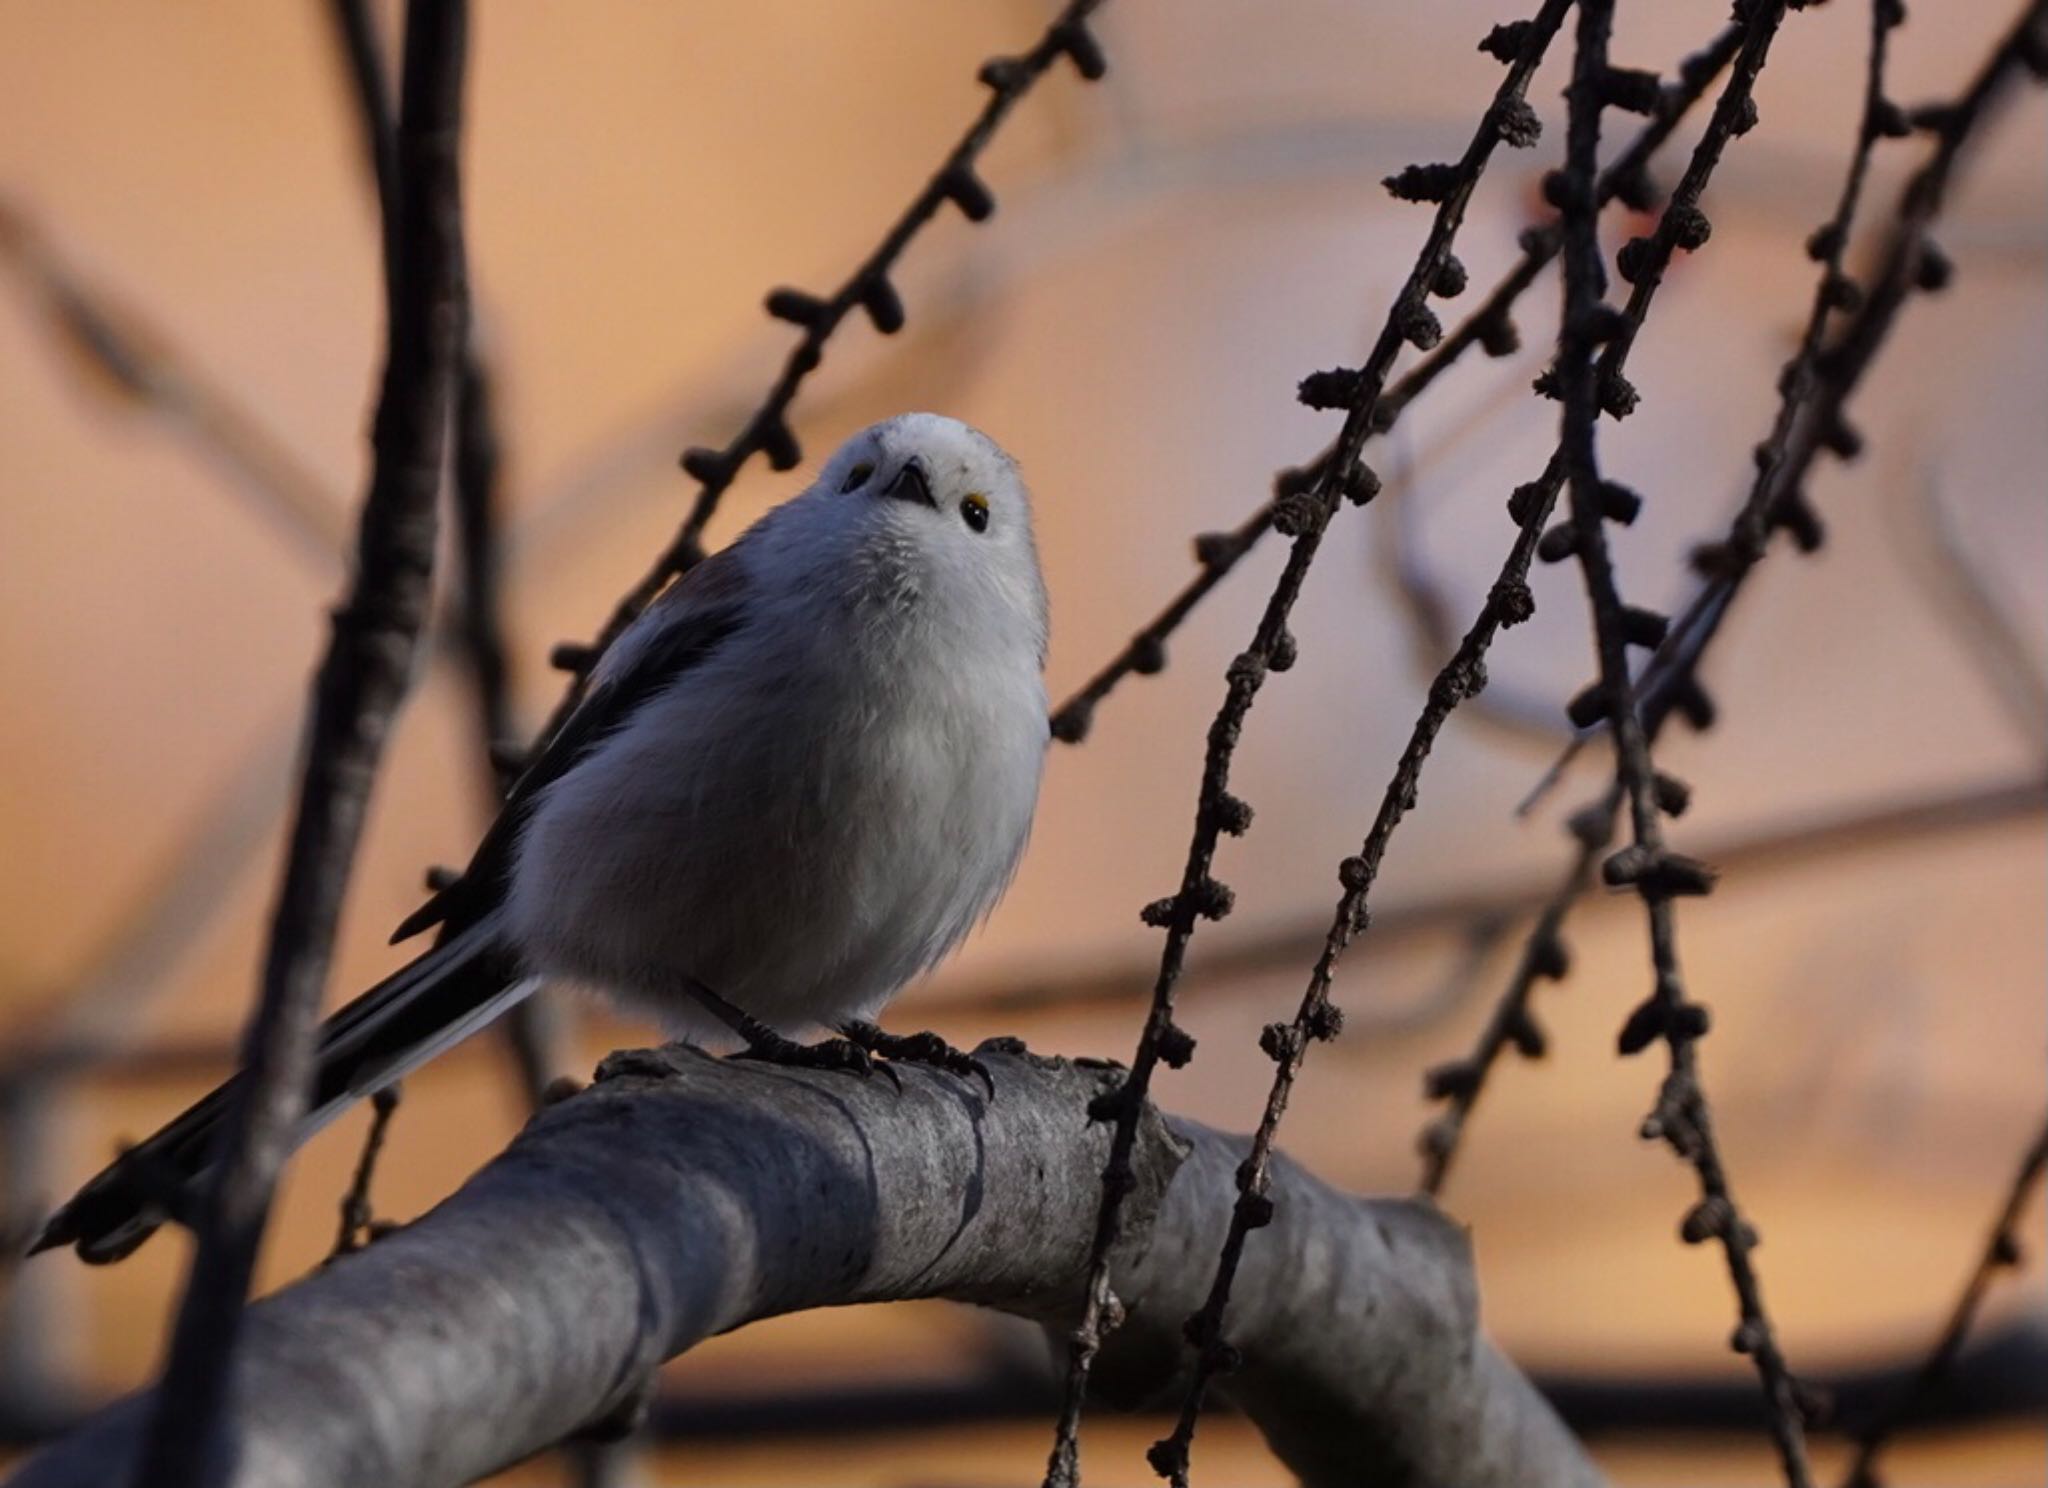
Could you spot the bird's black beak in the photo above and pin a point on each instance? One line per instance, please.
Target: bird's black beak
(910, 485)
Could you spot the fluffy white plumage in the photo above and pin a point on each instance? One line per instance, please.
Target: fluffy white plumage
(823, 805)
(795, 784)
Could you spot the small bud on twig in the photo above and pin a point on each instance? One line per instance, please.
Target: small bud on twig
(1337, 388)
(965, 190)
(884, 306)
(795, 306)
(1424, 183)
(1504, 43)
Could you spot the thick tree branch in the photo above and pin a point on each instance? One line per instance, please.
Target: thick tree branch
(683, 1196)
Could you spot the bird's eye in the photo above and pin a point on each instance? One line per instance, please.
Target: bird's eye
(857, 477)
(974, 512)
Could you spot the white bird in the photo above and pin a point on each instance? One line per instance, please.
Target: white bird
(796, 783)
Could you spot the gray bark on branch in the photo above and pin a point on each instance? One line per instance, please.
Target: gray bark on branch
(683, 1196)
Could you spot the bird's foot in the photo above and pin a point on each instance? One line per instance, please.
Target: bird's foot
(918, 1048)
(770, 1047)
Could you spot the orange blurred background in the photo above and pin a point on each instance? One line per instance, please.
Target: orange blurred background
(1173, 249)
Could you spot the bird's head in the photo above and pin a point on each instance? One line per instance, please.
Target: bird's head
(938, 521)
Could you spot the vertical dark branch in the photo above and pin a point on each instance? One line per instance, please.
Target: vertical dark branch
(1512, 1025)
(1302, 514)
(478, 455)
(362, 52)
(360, 685)
(530, 1030)
(1817, 383)
(1461, 677)
(480, 622)
(533, 1030)
(1587, 388)
(2001, 1252)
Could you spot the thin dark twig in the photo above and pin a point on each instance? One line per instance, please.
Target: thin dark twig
(360, 685)
(1303, 515)
(1911, 262)
(766, 430)
(1819, 380)
(475, 467)
(1462, 676)
(358, 1226)
(1490, 325)
(1544, 955)
(532, 1031)
(1586, 387)
(362, 52)
(2001, 1252)
(1400, 563)
(1511, 1025)
(1508, 603)
(478, 457)
(480, 622)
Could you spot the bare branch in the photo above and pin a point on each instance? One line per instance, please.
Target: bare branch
(1578, 190)
(1811, 408)
(1316, 1017)
(683, 1196)
(358, 1222)
(361, 683)
(1425, 597)
(1303, 514)
(2001, 1252)
(1490, 326)
(1587, 388)
(1459, 1082)
(1817, 384)
(530, 1030)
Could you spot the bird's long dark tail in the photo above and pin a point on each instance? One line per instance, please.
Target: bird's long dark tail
(412, 1015)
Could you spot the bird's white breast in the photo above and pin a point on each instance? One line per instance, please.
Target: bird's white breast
(805, 821)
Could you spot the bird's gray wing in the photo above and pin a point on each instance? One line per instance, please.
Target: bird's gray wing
(690, 621)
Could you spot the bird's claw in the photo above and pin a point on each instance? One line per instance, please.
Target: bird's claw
(842, 1054)
(920, 1048)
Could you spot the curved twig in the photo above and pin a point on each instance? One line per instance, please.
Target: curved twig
(1302, 513)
